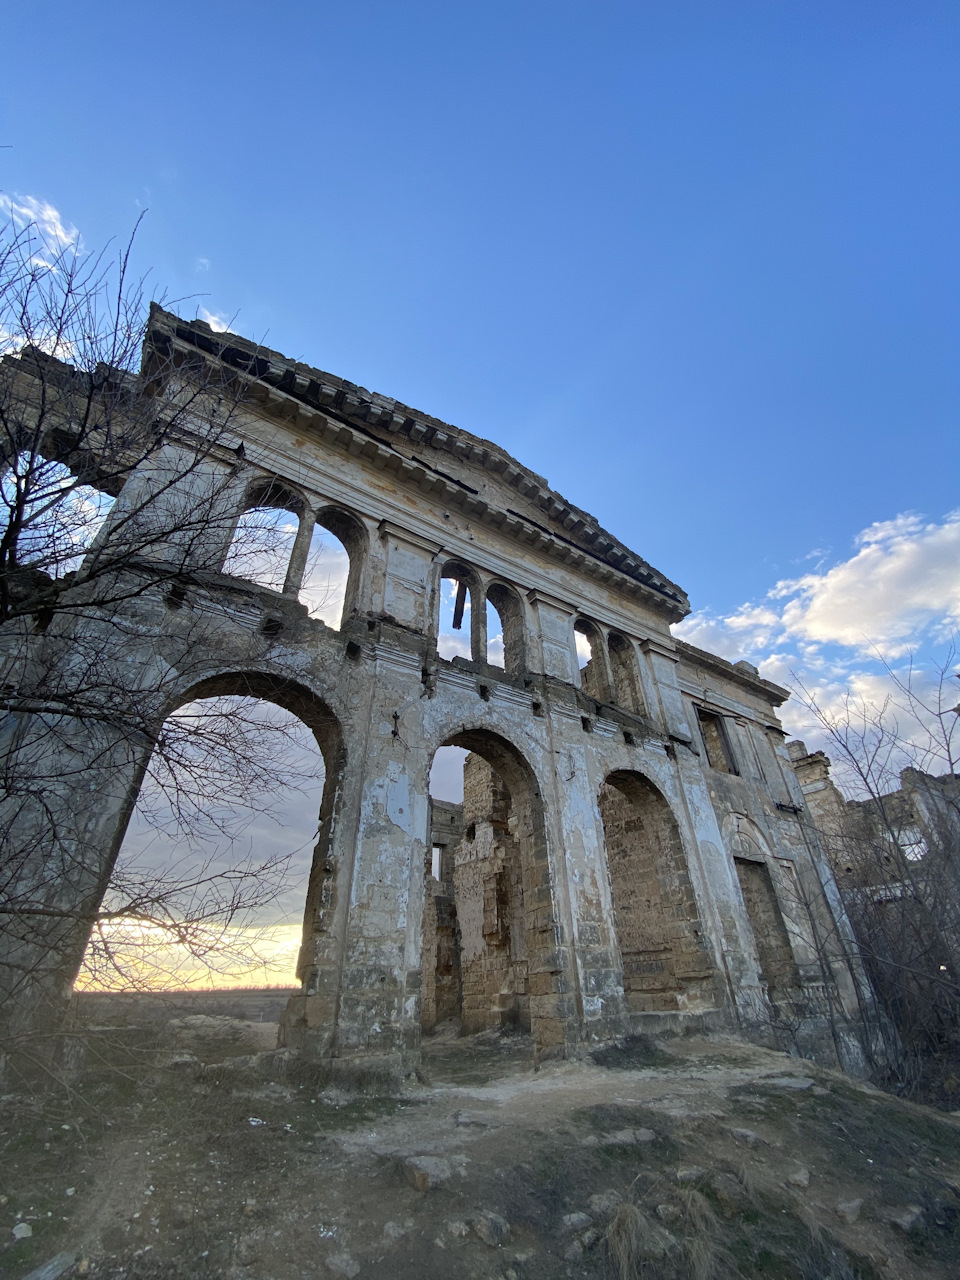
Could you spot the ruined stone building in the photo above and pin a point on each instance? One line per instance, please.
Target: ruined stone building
(630, 852)
(896, 858)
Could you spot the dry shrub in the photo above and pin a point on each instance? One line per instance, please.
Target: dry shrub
(633, 1238)
(705, 1254)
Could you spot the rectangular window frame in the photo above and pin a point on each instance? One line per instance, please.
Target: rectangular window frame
(727, 761)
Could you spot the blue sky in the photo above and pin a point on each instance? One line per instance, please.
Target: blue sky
(695, 262)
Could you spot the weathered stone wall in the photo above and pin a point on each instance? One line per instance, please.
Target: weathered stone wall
(665, 964)
(488, 887)
(542, 935)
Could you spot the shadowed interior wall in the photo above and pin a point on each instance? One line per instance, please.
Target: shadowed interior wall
(665, 964)
(488, 884)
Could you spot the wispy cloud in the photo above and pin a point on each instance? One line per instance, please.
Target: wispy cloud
(217, 321)
(55, 233)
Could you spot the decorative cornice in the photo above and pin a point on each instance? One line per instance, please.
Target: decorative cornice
(357, 420)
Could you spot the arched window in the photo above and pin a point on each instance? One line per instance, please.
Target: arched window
(591, 659)
(624, 674)
(331, 574)
(266, 532)
(462, 630)
(506, 632)
(49, 517)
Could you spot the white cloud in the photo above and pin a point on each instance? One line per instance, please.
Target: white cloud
(904, 580)
(851, 630)
(217, 321)
(56, 234)
(900, 587)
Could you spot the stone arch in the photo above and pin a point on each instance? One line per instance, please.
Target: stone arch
(314, 712)
(757, 876)
(513, 966)
(665, 962)
(325, 726)
(624, 674)
(469, 591)
(509, 608)
(594, 672)
(352, 533)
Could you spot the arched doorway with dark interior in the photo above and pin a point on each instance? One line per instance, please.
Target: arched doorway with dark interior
(487, 885)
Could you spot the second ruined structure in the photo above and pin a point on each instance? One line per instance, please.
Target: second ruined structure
(629, 853)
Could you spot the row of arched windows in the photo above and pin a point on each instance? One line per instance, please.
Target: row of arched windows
(281, 542)
(316, 554)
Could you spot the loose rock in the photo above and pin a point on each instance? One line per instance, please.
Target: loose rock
(22, 1231)
(907, 1218)
(627, 1137)
(799, 1178)
(604, 1203)
(341, 1264)
(746, 1137)
(849, 1210)
(576, 1221)
(491, 1228)
(731, 1194)
(426, 1172)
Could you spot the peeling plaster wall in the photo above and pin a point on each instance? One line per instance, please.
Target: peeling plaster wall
(541, 936)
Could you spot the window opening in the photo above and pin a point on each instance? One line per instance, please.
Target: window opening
(325, 577)
(593, 679)
(454, 636)
(262, 546)
(623, 669)
(495, 643)
(506, 627)
(715, 741)
(52, 518)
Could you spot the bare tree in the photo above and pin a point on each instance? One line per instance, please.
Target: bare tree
(118, 459)
(893, 835)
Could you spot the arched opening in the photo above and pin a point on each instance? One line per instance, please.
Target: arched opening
(229, 835)
(624, 674)
(591, 660)
(665, 964)
(330, 581)
(506, 633)
(461, 631)
(50, 518)
(492, 947)
(778, 968)
(265, 535)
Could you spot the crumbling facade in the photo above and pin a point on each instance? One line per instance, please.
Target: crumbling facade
(896, 858)
(629, 853)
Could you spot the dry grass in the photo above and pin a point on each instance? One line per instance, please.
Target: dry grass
(633, 1239)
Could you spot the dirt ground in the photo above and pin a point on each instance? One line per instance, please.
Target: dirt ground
(662, 1159)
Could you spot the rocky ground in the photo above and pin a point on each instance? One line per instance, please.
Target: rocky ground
(667, 1159)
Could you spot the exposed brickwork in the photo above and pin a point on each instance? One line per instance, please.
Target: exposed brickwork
(488, 883)
(778, 969)
(665, 965)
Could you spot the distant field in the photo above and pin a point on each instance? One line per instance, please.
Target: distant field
(254, 1004)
